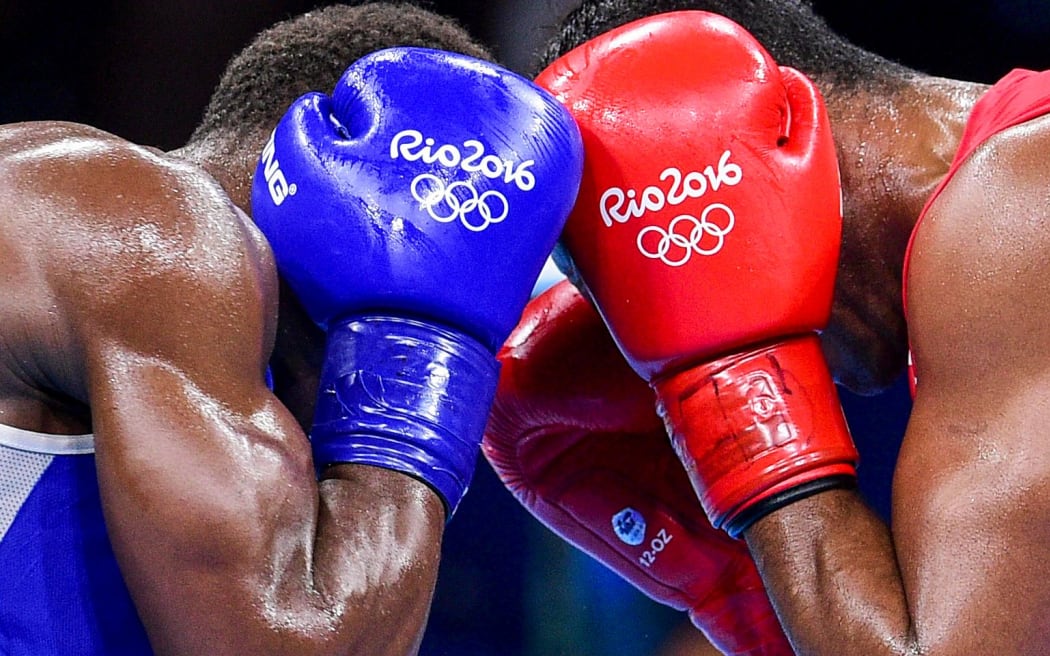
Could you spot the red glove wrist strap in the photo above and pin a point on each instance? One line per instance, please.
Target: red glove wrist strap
(757, 426)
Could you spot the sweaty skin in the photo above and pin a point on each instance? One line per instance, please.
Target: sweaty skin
(965, 567)
(139, 303)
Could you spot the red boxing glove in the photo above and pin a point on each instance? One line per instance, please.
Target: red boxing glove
(707, 231)
(574, 436)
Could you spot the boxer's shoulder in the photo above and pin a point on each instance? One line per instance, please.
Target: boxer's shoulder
(978, 279)
(996, 200)
(94, 178)
(65, 181)
(1016, 158)
(99, 234)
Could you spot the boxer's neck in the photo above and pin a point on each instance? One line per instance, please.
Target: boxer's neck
(230, 160)
(895, 147)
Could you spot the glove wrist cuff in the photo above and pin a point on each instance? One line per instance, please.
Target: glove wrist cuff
(406, 395)
(757, 425)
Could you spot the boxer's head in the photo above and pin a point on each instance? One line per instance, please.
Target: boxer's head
(302, 54)
(307, 53)
(788, 29)
(865, 341)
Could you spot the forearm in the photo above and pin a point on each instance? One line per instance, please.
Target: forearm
(831, 570)
(351, 572)
(377, 555)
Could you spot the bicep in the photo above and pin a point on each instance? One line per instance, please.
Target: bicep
(181, 463)
(176, 337)
(209, 500)
(971, 518)
(206, 479)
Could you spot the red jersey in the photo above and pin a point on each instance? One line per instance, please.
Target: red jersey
(1018, 97)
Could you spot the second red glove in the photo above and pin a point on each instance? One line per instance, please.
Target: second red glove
(574, 436)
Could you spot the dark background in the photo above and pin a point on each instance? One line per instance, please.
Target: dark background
(144, 69)
(507, 587)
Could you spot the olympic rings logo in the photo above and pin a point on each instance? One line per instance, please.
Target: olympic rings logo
(701, 236)
(446, 203)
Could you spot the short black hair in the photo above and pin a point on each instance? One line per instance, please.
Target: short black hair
(789, 29)
(310, 52)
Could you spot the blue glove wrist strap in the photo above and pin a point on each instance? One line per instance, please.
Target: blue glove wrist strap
(405, 395)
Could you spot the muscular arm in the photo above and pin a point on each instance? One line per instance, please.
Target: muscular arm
(227, 542)
(965, 567)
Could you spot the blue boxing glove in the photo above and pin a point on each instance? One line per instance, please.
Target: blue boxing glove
(411, 212)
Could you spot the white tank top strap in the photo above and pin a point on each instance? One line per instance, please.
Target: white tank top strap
(58, 445)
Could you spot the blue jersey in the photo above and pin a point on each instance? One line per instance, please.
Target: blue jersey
(61, 593)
